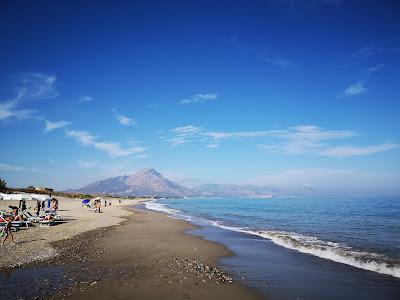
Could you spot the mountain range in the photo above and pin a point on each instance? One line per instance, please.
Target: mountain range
(149, 182)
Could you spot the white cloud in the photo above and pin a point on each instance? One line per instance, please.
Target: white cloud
(359, 87)
(210, 146)
(382, 47)
(35, 86)
(184, 134)
(280, 62)
(54, 125)
(113, 149)
(8, 110)
(187, 130)
(355, 89)
(346, 151)
(220, 135)
(124, 120)
(32, 86)
(301, 139)
(12, 168)
(296, 139)
(86, 98)
(87, 164)
(83, 137)
(199, 98)
(375, 68)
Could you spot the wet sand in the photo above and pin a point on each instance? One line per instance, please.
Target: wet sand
(121, 254)
(150, 257)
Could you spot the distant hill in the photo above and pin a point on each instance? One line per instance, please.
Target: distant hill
(146, 182)
(265, 191)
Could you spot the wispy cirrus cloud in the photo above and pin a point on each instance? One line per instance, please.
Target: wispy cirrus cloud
(304, 139)
(210, 146)
(31, 86)
(359, 88)
(86, 98)
(124, 120)
(36, 86)
(9, 110)
(301, 139)
(280, 62)
(50, 126)
(354, 89)
(113, 149)
(87, 164)
(184, 134)
(13, 168)
(382, 47)
(345, 151)
(199, 98)
(153, 106)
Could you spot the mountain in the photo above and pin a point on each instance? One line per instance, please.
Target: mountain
(253, 191)
(146, 182)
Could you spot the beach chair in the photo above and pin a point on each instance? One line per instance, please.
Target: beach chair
(53, 214)
(47, 223)
(31, 217)
(15, 224)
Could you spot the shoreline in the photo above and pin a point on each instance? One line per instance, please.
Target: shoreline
(282, 273)
(146, 254)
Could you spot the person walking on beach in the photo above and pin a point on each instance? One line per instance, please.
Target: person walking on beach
(6, 231)
(98, 206)
(43, 205)
(23, 206)
(38, 207)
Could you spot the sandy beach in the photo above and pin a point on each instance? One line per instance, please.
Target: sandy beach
(33, 245)
(121, 253)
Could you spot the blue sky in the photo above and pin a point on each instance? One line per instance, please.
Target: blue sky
(267, 92)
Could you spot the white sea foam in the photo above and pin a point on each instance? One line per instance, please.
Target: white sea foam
(153, 205)
(304, 244)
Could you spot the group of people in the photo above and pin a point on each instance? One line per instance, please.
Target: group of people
(97, 205)
(17, 215)
(6, 231)
(52, 204)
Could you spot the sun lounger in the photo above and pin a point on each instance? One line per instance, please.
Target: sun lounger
(31, 217)
(16, 224)
(46, 223)
(53, 214)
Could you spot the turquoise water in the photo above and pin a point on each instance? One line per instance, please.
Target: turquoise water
(361, 232)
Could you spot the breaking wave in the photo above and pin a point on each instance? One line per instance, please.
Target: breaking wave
(303, 243)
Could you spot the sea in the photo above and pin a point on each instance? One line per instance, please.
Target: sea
(303, 247)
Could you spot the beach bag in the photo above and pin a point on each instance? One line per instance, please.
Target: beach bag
(2, 233)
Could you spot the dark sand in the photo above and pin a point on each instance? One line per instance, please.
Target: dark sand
(147, 257)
